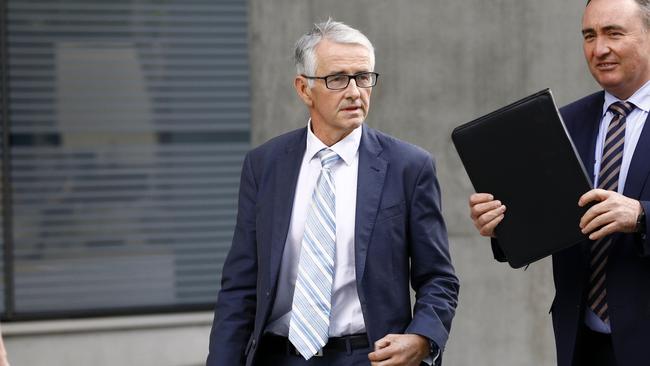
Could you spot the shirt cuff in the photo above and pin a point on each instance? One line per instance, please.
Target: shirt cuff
(433, 355)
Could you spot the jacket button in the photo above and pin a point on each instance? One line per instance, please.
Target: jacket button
(268, 293)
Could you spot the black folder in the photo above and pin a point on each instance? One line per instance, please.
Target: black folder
(523, 155)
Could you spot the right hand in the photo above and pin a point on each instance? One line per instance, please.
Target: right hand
(486, 213)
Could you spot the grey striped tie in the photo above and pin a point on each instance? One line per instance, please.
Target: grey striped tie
(310, 311)
(610, 168)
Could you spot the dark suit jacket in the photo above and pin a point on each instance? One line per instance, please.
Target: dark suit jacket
(399, 236)
(628, 268)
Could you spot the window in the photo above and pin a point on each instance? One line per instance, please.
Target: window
(128, 124)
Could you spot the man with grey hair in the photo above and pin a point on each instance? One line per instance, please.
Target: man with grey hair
(601, 310)
(336, 222)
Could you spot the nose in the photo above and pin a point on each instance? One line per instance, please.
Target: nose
(601, 47)
(352, 91)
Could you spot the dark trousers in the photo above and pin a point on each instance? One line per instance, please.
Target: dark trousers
(593, 349)
(274, 355)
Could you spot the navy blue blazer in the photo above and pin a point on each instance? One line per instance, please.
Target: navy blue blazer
(400, 237)
(628, 268)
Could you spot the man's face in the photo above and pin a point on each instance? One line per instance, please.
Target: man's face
(616, 45)
(335, 113)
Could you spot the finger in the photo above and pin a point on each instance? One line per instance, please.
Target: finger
(481, 208)
(586, 219)
(374, 358)
(479, 198)
(593, 212)
(381, 354)
(382, 343)
(593, 195)
(488, 229)
(489, 216)
(603, 231)
(599, 221)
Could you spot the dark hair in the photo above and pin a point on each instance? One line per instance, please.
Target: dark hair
(644, 7)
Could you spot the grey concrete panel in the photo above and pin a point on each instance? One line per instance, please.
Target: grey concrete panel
(170, 345)
(502, 316)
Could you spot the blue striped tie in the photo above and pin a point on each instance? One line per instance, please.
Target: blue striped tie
(610, 168)
(310, 312)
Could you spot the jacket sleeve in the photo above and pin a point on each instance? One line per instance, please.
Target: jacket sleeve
(498, 253)
(432, 274)
(644, 242)
(235, 309)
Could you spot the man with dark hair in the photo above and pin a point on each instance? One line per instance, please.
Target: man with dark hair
(601, 310)
(335, 221)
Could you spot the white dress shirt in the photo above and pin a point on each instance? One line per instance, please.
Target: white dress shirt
(633, 126)
(346, 317)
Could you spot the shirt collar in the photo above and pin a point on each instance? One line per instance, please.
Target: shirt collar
(640, 98)
(346, 148)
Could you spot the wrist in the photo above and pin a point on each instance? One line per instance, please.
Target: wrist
(423, 345)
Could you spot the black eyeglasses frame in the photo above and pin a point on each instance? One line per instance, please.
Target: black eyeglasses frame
(353, 76)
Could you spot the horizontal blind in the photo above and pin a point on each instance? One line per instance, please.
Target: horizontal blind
(129, 123)
(3, 278)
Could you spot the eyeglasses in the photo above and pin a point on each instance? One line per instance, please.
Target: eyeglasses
(341, 81)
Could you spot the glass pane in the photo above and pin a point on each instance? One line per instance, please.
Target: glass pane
(129, 123)
(2, 248)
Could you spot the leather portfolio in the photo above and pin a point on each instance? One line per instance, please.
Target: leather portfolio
(523, 155)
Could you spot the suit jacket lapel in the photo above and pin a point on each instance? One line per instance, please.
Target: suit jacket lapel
(639, 168)
(585, 138)
(370, 183)
(285, 173)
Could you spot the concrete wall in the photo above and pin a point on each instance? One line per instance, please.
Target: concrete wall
(155, 340)
(443, 63)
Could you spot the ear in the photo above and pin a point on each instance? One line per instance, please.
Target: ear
(303, 90)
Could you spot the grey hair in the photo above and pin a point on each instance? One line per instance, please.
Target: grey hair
(305, 51)
(644, 8)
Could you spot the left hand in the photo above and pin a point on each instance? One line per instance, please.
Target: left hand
(613, 213)
(400, 350)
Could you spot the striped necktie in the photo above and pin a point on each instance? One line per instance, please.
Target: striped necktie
(310, 310)
(610, 167)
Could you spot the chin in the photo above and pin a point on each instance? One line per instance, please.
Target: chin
(609, 84)
(607, 78)
(351, 122)
(356, 123)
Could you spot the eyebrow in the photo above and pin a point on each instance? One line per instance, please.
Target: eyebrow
(606, 28)
(340, 72)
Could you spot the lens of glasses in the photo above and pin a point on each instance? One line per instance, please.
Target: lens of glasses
(365, 80)
(337, 81)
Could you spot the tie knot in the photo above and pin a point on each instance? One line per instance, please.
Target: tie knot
(621, 108)
(327, 158)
